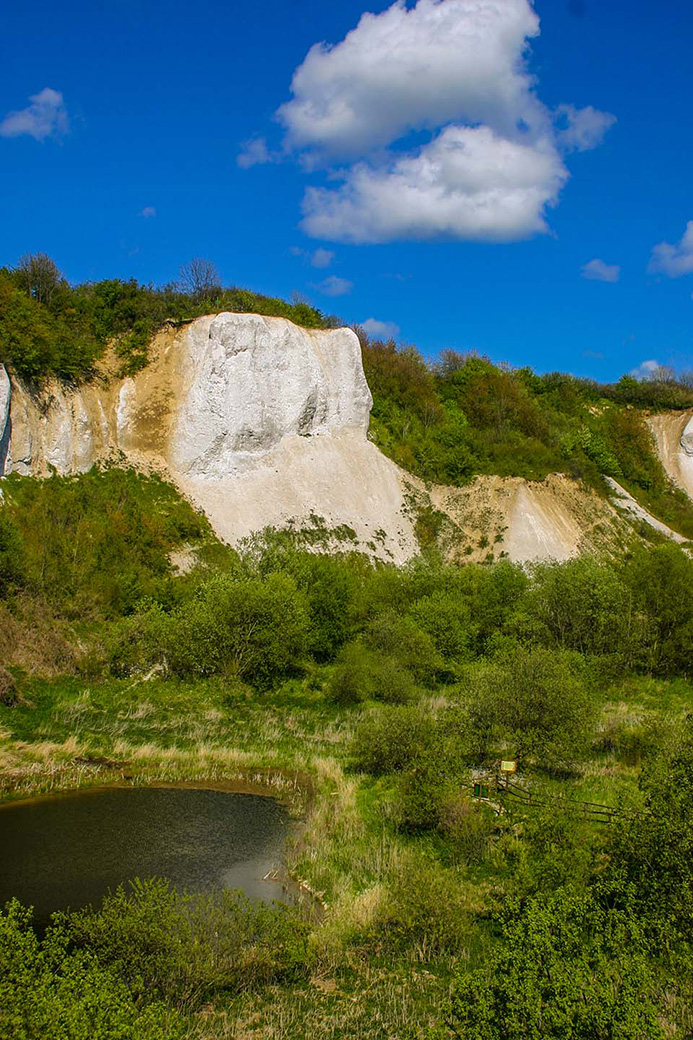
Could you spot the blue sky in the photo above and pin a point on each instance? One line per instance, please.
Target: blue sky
(449, 193)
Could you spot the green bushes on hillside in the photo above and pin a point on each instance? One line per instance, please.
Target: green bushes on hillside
(62, 332)
(465, 416)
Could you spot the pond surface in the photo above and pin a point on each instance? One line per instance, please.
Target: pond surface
(67, 851)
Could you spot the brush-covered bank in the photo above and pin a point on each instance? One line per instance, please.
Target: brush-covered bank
(367, 695)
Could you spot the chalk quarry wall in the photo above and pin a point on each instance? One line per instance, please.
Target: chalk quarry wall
(261, 423)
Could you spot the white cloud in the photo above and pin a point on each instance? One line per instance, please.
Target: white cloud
(322, 258)
(253, 153)
(453, 68)
(316, 258)
(148, 212)
(380, 329)
(418, 68)
(469, 183)
(46, 116)
(598, 271)
(646, 369)
(580, 129)
(675, 260)
(334, 286)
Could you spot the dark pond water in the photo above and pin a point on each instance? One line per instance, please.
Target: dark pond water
(69, 850)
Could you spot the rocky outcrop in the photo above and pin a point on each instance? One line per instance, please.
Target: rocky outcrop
(673, 434)
(687, 437)
(260, 422)
(5, 427)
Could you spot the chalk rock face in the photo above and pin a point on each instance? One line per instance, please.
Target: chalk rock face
(251, 381)
(259, 422)
(687, 437)
(5, 399)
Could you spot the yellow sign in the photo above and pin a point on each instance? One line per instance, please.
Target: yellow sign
(508, 767)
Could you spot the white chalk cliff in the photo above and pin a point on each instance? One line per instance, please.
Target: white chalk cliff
(261, 423)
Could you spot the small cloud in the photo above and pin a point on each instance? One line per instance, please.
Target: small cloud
(253, 153)
(646, 369)
(322, 258)
(581, 129)
(598, 271)
(676, 260)
(334, 286)
(148, 212)
(380, 329)
(318, 258)
(46, 116)
(592, 354)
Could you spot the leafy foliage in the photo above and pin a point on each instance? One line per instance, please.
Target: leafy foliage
(48, 327)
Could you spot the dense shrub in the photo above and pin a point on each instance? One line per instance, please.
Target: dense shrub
(236, 626)
(388, 739)
(50, 991)
(565, 968)
(534, 704)
(12, 563)
(48, 327)
(406, 645)
(362, 674)
(169, 945)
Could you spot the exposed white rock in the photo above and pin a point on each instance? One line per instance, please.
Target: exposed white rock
(5, 399)
(260, 422)
(687, 437)
(673, 434)
(264, 424)
(623, 500)
(251, 381)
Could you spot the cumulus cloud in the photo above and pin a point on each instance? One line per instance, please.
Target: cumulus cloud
(456, 71)
(598, 271)
(148, 212)
(674, 260)
(45, 116)
(253, 153)
(468, 183)
(334, 286)
(580, 129)
(419, 68)
(380, 329)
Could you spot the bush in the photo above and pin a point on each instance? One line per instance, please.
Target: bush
(467, 826)
(388, 739)
(11, 553)
(361, 674)
(178, 947)
(50, 991)
(565, 968)
(400, 639)
(426, 909)
(238, 627)
(8, 687)
(533, 704)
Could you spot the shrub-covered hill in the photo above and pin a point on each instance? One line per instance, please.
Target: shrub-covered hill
(464, 415)
(445, 421)
(49, 327)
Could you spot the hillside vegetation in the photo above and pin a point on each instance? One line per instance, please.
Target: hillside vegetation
(368, 695)
(465, 416)
(49, 327)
